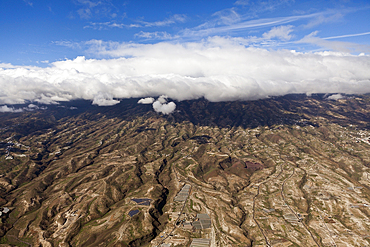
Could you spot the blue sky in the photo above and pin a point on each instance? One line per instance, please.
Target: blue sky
(106, 50)
(34, 31)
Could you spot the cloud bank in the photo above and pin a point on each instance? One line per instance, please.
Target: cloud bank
(218, 69)
(5, 108)
(30, 107)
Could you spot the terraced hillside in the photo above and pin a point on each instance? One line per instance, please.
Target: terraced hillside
(286, 171)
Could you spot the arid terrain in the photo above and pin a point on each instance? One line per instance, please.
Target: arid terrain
(284, 171)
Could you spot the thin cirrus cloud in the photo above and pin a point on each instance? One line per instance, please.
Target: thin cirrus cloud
(89, 9)
(348, 35)
(171, 20)
(262, 6)
(341, 46)
(210, 29)
(282, 33)
(177, 18)
(231, 21)
(155, 35)
(218, 69)
(105, 25)
(28, 2)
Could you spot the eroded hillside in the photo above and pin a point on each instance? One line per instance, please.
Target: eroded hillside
(290, 171)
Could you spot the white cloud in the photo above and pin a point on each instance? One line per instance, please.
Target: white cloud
(104, 99)
(336, 96)
(162, 99)
(32, 106)
(281, 32)
(218, 69)
(148, 100)
(161, 105)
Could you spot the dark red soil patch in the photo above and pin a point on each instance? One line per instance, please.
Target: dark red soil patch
(211, 174)
(254, 166)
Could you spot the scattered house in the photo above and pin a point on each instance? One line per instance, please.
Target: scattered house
(200, 242)
(188, 226)
(6, 210)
